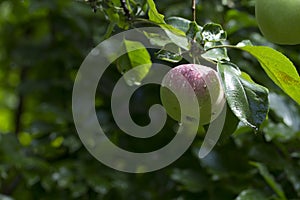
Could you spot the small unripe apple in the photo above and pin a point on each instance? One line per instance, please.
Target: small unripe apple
(279, 20)
(206, 86)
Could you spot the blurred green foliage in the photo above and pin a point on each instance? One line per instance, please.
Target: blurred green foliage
(41, 157)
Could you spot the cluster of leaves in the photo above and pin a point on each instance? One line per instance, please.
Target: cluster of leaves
(44, 43)
(247, 100)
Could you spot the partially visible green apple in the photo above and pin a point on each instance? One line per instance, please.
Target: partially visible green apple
(279, 20)
(206, 86)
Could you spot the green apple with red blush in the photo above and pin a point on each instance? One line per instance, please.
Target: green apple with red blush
(279, 20)
(206, 86)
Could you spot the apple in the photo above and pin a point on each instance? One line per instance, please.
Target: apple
(279, 20)
(206, 86)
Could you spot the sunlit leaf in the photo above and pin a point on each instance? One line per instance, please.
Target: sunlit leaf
(137, 58)
(154, 15)
(158, 18)
(176, 35)
(57, 142)
(6, 118)
(279, 68)
(112, 15)
(25, 138)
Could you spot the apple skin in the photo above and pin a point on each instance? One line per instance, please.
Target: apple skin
(279, 20)
(206, 85)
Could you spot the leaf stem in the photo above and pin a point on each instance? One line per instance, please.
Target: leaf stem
(221, 46)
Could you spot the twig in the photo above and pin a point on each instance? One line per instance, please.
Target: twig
(20, 107)
(194, 10)
(10, 188)
(126, 10)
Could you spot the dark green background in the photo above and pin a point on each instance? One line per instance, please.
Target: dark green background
(42, 45)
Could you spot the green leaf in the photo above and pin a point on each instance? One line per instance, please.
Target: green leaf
(269, 179)
(176, 35)
(193, 30)
(153, 14)
(190, 180)
(213, 33)
(247, 100)
(185, 26)
(170, 53)
(57, 142)
(237, 20)
(112, 15)
(258, 100)
(286, 110)
(158, 39)
(231, 124)
(180, 23)
(177, 39)
(279, 68)
(285, 116)
(215, 54)
(244, 43)
(251, 194)
(139, 60)
(6, 118)
(293, 175)
(279, 132)
(25, 138)
(261, 153)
